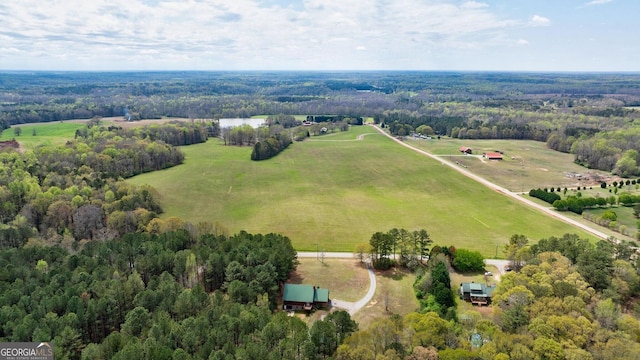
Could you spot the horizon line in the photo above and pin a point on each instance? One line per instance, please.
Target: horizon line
(323, 71)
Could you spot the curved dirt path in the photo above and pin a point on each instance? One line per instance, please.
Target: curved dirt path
(353, 307)
(500, 189)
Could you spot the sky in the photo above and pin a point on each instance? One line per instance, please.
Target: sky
(468, 35)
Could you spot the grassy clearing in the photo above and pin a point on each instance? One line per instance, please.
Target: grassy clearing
(526, 164)
(625, 217)
(335, 194)
(395, 288)
(53, 133)
(346, 279)
(464, 307)
(625, 214)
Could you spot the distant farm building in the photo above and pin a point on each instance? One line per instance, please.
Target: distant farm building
(465, 150)
(304, 297)
(492, 156)
(478, 294)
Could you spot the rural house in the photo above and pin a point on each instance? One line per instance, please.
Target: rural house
(304, 297)
(478, 294)
(465, 150)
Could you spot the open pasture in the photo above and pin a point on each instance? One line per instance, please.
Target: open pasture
(32, 135)
(526, 164)
(332, 195)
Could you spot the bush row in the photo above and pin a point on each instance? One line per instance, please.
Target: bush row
(270, 147)
(549, 197)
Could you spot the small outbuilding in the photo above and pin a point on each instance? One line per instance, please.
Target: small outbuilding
(465, 150)
(304, 297)
(492, 156)
(475, 293)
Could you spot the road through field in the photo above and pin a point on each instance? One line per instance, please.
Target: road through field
(500, 189)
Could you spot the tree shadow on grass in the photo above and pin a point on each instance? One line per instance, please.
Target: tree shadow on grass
(394, 273)
(295, 278)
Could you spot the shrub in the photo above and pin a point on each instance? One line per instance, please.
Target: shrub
(467, 260)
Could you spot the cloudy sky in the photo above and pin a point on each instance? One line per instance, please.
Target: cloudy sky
(513, 35)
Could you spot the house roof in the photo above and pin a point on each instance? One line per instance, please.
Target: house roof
(493, 155)
(321, 295)
(298, 293)
(477, 289)
(304, 293)
(464, 148)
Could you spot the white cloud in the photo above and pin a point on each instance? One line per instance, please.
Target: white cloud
(537, 20)
(522, 42)
(598, 2)
(245, 34)
(474, 5)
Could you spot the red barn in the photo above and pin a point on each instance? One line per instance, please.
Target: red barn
(493, 156)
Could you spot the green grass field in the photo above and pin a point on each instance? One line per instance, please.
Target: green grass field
(45, 133)
(335, 194)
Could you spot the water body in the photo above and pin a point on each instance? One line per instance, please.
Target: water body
(254, 122)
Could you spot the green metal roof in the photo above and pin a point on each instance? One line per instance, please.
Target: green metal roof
(304, 293)
(298, 293)
(476, 287)
(322, 295)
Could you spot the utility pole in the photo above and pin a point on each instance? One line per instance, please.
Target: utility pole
(496, 250)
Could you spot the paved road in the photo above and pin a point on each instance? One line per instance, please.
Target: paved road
(500, 189)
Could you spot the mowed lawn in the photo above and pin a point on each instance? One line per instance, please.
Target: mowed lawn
(346, 279)
(332, 195)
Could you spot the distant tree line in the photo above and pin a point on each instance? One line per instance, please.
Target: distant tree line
(175, 133)
(583, 115)
(351, 120)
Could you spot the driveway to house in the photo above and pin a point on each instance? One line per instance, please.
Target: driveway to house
(500, 189)
(350, 307)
